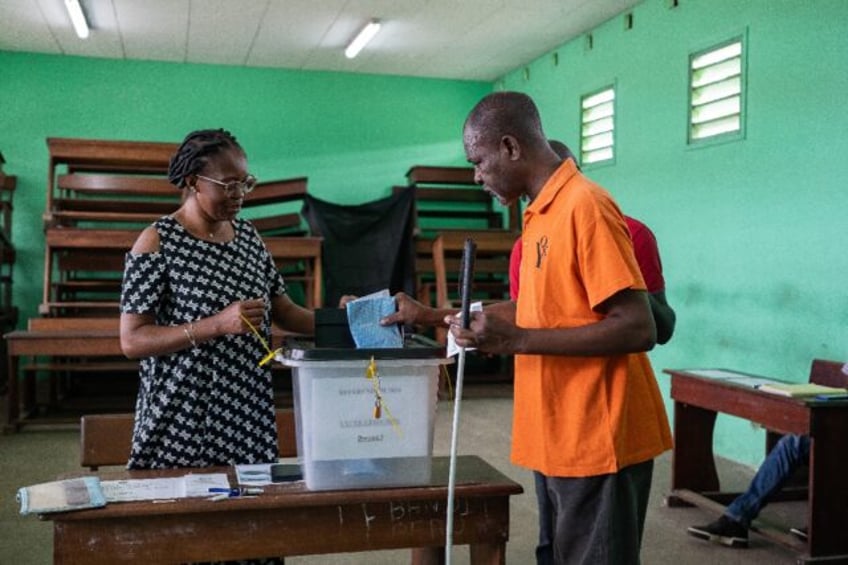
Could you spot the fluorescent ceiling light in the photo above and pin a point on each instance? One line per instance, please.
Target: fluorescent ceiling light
(364, 36)
(77, 18)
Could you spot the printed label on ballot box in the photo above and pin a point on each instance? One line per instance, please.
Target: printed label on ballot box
(344, 425)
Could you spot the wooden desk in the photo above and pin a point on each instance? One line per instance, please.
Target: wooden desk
(66, 343)
(290, 520)
(694, 480)
(92, 337)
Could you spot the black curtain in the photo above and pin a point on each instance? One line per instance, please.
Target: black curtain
(367, 247)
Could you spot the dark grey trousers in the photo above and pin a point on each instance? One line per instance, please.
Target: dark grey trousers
(596, 520)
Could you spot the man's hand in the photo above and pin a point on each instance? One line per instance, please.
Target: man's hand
(489, 334)
(409, 311)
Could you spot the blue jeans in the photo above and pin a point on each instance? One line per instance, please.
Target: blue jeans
(789, 453)
(545, 547)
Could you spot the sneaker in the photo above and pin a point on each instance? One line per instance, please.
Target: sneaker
(724, 531)
(800, 533)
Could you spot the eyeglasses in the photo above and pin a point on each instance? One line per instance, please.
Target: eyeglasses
(247, 185)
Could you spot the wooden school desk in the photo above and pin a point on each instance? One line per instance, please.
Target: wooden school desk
(288, 520)
(697, 400)
(79, 338)
(95, 341)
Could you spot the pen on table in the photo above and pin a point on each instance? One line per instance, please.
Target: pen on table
(832, 397)
(227, 496)
(237, 491)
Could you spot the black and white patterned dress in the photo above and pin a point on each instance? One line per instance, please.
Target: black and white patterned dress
(213, 404)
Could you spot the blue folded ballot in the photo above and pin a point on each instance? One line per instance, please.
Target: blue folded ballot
(61, 496)
(364, 316)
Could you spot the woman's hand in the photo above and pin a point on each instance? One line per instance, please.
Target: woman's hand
(234, 318)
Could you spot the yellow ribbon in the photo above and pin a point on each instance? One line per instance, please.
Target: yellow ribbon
(265, 360)
(373, 375)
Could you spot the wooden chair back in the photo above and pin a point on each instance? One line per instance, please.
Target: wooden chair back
(282, 197)
(447, 189)
(491, 267)
(8, 311)
(106, 439)
(448, 200)
(299, 259)
(83, 270)
(823, 372)
(829, 373)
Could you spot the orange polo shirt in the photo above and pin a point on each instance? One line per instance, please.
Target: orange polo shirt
(580, 416)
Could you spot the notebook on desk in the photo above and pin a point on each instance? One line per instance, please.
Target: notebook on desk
(802, 389)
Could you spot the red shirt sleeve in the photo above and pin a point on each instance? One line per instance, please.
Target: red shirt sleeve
(647, 254)
(514, 269)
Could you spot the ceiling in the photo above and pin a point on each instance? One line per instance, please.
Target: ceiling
(454, 39)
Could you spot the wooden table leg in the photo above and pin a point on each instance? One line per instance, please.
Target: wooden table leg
(428, 556)
(488, 553)
(13, 402)
(693, 464)
(479, 554)
(828, 489)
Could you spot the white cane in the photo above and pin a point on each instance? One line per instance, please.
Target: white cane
(465, 293)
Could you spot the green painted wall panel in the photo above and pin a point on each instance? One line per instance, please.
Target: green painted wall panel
(354, 136)
(752, 231)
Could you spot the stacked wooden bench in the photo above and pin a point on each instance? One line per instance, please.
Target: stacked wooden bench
(449, 202)
(8, 312)
(449, 208)
(100, 195)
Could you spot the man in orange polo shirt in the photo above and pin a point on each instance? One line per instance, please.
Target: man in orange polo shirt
(588, 414)
(647, 256)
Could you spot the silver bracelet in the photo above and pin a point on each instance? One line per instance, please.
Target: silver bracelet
(189, 332)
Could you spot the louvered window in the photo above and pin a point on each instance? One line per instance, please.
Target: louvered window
(716, 102)
(597, 126)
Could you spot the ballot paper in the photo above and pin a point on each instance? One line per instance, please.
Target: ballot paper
(364, 315)
(187, 486)
(453, 348)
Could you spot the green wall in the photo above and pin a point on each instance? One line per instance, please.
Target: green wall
(752, 233)
(354, 136)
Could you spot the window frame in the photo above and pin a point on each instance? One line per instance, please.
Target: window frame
(723, 137)
(613, 87)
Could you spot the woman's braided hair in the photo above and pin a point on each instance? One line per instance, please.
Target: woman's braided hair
(194, 152)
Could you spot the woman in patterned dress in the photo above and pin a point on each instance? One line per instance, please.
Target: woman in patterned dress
(194, 284)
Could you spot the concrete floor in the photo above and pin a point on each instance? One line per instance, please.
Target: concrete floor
(37, 455)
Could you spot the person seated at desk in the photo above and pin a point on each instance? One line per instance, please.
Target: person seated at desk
(731, 529)
(196, 284)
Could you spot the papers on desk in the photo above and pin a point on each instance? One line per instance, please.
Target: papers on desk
(740, 379)
(187, 486)
(802, 389)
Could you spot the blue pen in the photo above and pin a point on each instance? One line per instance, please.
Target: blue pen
(237, 491)
(228, 491)
(832, 397)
